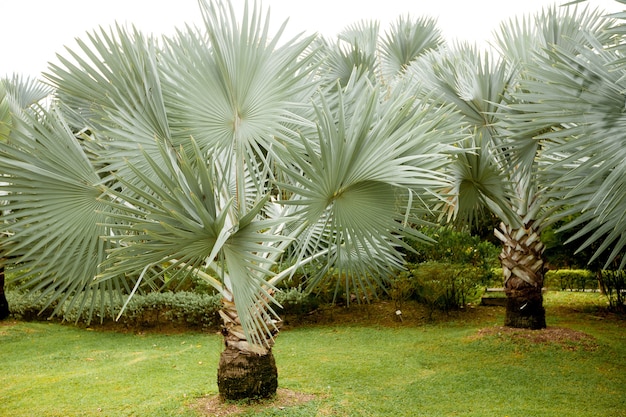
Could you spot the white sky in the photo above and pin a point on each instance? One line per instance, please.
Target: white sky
(33, 31)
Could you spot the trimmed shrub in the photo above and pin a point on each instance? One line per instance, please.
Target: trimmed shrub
(187, 283)
(497, 275)
(29, 306)
(402, 287)
(185, 309)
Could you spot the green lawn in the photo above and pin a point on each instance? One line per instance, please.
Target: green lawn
(439, 369)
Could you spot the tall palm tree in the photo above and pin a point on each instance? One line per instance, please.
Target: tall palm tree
(503, 167)
(214, 153)
(576, 97)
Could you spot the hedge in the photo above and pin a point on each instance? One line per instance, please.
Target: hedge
(184, 309)
(571, 279)
(564, 279)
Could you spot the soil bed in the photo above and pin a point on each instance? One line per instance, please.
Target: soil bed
(213, 405)
(568, 339)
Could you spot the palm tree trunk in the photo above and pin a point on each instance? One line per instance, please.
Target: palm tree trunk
(523, 268)
(4, 304)
(245, 370)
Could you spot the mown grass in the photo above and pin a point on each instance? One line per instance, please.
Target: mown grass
(358, 369)
(58, 370)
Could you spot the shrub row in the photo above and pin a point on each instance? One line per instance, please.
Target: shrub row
(181, 309)
(296, 302)
(188, 310)
(570, 279)
(561, 279)
(437, 285)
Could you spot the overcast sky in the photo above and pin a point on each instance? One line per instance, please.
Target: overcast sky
(33, 31)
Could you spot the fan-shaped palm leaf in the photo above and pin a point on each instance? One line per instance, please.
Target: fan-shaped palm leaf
(350, 182)
(352, 54)
(363, 34)
(406, 40)
(188, 221)
(19, 96)
(54, 225)
(233, 88)
(521, 38)
(476, 86)
(24, 92)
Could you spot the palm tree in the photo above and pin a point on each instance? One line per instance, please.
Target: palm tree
(214, 153)
(502, 169)
(577, 98)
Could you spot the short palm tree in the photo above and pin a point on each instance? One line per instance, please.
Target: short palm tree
(503, 168)
(215, 153)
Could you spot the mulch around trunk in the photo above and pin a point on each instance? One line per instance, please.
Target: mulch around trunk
(213, 405)
(568, 339)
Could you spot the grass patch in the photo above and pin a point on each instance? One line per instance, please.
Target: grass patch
(57, 370)
(460, 365)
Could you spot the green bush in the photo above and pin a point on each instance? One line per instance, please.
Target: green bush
(402, 287)
(186, 309)
(438, 285)
(570, 279)
(297, 302)
(497, 275)
(458, 248)
(613, 285)
(328, 289)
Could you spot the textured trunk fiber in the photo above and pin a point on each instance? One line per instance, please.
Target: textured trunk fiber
(4, 304)
(522, 265)
(245, 370)
(244, 375)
